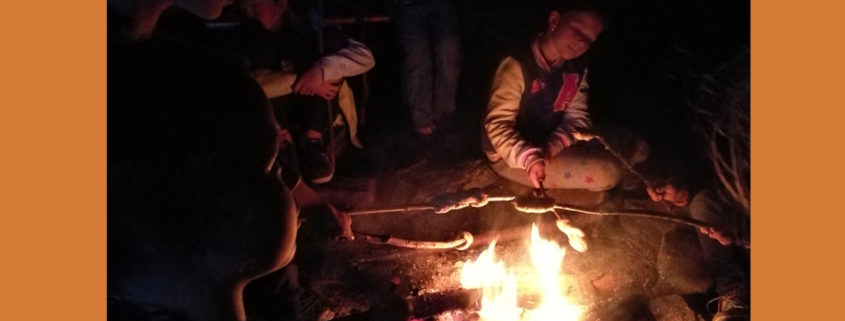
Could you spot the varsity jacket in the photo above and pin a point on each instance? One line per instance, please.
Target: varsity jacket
(534, 108)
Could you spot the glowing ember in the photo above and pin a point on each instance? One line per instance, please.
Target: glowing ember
(501, 287)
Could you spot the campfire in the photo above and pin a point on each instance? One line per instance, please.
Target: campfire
(518, 276)
(517, 291)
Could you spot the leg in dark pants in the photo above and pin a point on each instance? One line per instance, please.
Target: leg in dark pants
(287, 150)
(413, 33)
(447, 54)
(318, 115)
(317, 166)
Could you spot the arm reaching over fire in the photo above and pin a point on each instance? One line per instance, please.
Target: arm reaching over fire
(706, 205)
(444, 203)
(340, 222)
(701, 206)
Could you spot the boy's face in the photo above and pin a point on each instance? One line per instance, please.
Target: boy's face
(268, 12)
(573, 32)
(207, 9)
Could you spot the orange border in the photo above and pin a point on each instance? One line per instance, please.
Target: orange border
(796, 140)
(53, 164)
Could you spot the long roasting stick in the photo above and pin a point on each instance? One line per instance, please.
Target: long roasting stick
(416, 207)
(547, 205)
(543, 205)
(629, 167)
(654, 215)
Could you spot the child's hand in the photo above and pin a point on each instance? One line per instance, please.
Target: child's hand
(309, 82)
(583, 136)
(537, 173)
(718, 235)
(668, 193)
(328, 90)
(345, 223)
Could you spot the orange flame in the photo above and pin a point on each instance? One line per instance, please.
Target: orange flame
(501, 287)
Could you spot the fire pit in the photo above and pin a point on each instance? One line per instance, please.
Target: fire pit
(635, 268)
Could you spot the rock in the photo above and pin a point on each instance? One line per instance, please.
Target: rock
(681, 265)
(612, 282)
(672, 308)
(480, 176)
(646, 233)
(629, 309)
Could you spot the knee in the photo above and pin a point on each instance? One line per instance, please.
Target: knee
(604, 175)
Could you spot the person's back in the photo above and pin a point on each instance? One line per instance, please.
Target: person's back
(196, 209)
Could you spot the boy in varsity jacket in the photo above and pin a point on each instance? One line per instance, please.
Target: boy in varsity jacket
(537, 112)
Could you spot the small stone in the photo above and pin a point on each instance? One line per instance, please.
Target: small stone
(612, 282)
(672, 308)
(681, 264)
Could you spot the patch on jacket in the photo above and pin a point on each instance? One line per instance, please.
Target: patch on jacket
(567, 91)
(537, 85)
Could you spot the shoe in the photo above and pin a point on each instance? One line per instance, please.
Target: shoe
(287, 155)
(733, 306)
(316, 164)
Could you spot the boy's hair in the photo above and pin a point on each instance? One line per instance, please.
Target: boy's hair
(596, 7)
(662, 168)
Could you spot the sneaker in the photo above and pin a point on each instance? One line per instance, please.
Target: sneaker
(733, 306)
(287, 155)
(316, 164)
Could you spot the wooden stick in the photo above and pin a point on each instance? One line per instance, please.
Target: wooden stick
(406, 208)
(629, 167)
(655, 215)
(417, 207)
